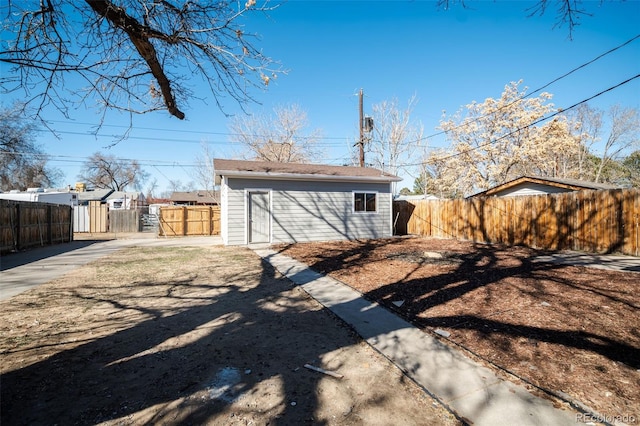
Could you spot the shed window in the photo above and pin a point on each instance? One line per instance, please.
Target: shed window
(365, 202)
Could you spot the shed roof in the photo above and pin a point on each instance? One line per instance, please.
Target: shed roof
(296, 171)
(94, 195)
(201, 196)
(571, 184)
(134, 195)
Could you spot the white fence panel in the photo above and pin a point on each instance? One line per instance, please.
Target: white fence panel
(81, 219)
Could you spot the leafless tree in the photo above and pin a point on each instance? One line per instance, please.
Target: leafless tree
(203, 171)
(108, 171)
(623, 135)
(586, 125)
(23, 164)
(152, 188)
(280, 137)
(131, 55)
(395, 136)
(568, 12)
(604, 143)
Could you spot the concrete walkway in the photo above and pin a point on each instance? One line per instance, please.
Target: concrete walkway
(472, 391)
(612, 262)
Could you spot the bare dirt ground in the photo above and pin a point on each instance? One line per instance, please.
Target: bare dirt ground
(191, 336)
(566, 329)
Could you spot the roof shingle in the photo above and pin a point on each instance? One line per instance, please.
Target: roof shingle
(266, 169)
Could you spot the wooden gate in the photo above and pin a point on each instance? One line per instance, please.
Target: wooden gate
(189, 220)
(98, 217)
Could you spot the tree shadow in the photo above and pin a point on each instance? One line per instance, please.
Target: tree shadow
(593, 221)
(184, 355)
(481, 269)
(324, 217)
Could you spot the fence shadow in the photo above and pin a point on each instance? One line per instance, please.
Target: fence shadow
(591, 221)
(481, 269)
(13, 260)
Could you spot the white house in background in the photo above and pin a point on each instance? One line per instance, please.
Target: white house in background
(418, 197)
(536, 185)
(41, 195)
(86, 196)
(264, 202)
(121, 200)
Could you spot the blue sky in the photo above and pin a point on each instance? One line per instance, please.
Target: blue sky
(390, 49)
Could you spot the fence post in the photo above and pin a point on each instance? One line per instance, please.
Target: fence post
(18, 227)
(49, 225)
(185, 222)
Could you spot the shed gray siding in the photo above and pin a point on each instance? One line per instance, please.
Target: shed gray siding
(309, 210)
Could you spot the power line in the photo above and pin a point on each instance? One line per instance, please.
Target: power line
(536, 90)
(214, 142)
(80, 159)
(540, 120)
(336, 138)
(206, 133)
(161, 163)
(584, 65)
(155, 139)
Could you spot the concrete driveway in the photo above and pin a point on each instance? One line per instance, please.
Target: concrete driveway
(24, 270)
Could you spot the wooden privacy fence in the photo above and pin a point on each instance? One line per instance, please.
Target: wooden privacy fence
(125, 221)
(592, 221)
(27, 224)
(91, 218)
(189, 220)
(97, 217)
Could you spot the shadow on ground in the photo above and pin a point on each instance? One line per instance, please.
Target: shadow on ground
(561, 327)
(229, 347)
(13, 260)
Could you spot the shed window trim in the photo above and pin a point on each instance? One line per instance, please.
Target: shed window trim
(365, 202)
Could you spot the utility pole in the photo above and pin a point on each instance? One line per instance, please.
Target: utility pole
(366, 125)
(361, 143)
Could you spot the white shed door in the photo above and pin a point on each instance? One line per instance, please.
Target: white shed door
(258, 217)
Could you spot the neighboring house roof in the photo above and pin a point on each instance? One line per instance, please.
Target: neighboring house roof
(415, 197)
(116, 195)
(566, 184)
(270, 170)
(201, 196)
(94, 195)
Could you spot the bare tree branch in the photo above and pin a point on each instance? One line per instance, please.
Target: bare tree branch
(568, 12)
(23, 164)
(280, 138)
(108, 171)
(140, 36)
(135, 56)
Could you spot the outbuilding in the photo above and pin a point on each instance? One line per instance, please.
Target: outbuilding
(537, 185)
(266, 202)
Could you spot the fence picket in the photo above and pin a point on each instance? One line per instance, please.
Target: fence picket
(28, 224)
(593, 221)
(189, 220)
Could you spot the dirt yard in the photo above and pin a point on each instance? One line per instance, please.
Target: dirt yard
(567, 329)
(191, 336)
